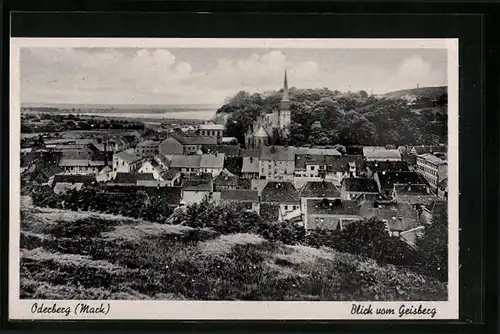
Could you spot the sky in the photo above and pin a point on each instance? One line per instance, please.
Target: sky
(209, 75)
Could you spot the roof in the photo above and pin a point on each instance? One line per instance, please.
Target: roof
(197, 185)
(127, 156)
(332, 207)
(129, 139)
(148, 143)
(212, 127)
(233, 150)
(185, 161)
(240, 195)
(233, 164)
(359, 184)
(277, 153)
(381, 153)
(396, 166)
(254, 153)
(437, 207)
(74, 178)
(212, 160)
(388, 179)
(336, 164)
(432, 159)
(409, 189)
(226, 179)
(170, 174)
(48, 170)
(250, 165)
(318, 151)
(280, 192)
(260, 132)
(132, 178)
(319, 189)
(196, 140)
(399, 216)
(229, 139)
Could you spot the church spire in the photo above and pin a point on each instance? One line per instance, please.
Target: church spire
(285, 89)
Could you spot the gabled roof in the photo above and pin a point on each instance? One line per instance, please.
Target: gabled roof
(132, 178)
(399, 216)
(388, 179)
(185, 161)
(381, 154)
(432, 159)
(409, 189)
(319, 189)
(196, 140)
(392, 166)
(148, 143)
(233, 164)
(318, 151)
(341, 164)
(250, 165)
(170, 174)
(197, 185)
(230, 150)
(261, 133)
(277, 153)
(280, 192)
(127, 156)
(332, 207)
(225, 178)
(240, 195)
(248, 152)
(359, 184)
(212, 160)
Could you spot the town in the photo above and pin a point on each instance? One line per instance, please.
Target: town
(316, 187)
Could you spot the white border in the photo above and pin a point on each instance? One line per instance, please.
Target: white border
(203, 310)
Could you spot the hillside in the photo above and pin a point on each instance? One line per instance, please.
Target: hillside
(82, 255)
(418, 93)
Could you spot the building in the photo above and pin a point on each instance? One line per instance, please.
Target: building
(226, 181)
(131, 179)
(318, 190)
(187, 164)
(381, 154)
(282, 195)
(398, 217)
(171, 177)
(195, 190)
(330, 214)
(413, 194)
(177, 145)
(212, 163)
(147, 149)
(126, 162)
(246, 199)
(250, 168)
(152, 166)
(264, 128)
(354, 187)
(84, 162)
(277, 163)
(318, 151)
(432, 168)
(64, 183)
(373, 167)
(211, 130)
(386, 180)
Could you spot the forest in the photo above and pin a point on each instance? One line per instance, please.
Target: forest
(325, 117)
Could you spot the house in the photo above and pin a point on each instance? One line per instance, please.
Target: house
(398, 217)
(247, 199)
(105, 174)
(152, 166)
(233, 164)
(147, 149)
(250, 168)
(386, 180)
(211, 130)
(226, 180)
(229, 140)
(413, 194)
(212, 163)
(126, 162)
(62, 183)
(281, 194)
(149, 134)
(346, 166)
(318, 151)
(187, 164)
(317, 190)
(330, 214)
(353, 187)
(250, 153)
(381, 154)
(185, 144)
(436, 208)
(130, 179)
(432, 168)
(227, 150)
(277, 163)
(171, 177)
(196, 189)
(80, 162)
(373, 167)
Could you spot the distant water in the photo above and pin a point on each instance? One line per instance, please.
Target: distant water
(188, 114)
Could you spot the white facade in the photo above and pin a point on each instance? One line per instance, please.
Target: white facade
(276, 170)
(124, 166)
(432, 168)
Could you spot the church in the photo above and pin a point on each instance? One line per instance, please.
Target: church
(262, 130)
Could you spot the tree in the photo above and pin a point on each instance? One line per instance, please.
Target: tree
(434, 246)
(363, 94)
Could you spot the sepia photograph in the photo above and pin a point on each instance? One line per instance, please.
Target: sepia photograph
(234, 171)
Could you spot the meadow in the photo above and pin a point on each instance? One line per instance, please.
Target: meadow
(86, 255)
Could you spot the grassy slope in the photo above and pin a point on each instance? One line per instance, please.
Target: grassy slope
(133, 259)
(427, 92)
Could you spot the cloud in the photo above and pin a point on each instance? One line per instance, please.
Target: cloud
(160, 76)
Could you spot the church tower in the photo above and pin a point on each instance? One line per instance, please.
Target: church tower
(284, 113)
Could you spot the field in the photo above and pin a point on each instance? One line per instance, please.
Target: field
(83, 255)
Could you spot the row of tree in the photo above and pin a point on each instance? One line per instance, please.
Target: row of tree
(324, 117)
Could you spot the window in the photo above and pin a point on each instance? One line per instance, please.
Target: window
(312, 167)
(286, 207)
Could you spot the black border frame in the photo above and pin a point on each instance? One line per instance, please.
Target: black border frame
(477, 127)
